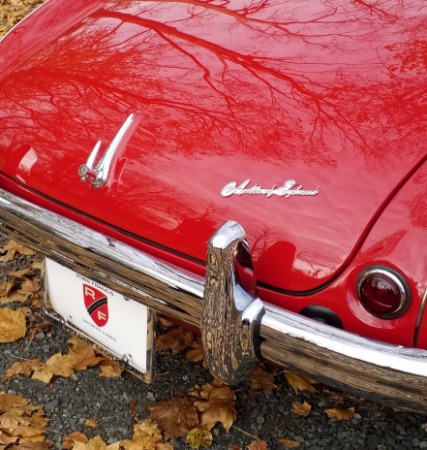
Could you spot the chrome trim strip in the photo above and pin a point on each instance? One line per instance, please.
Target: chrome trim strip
(333, 356)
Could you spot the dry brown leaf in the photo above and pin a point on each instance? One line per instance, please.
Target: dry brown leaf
(91, 422)
(175, 416)
(110, 369)
(199, 437)
(219, 406)
(5, 288)
(20, 421)
(299, 382)
(196, 354)
(175, 340)
(12, 325)
(233, 447)
(146, 436)
(25, 368)
(288, 443)
(70, 440)
(83, 354)
(29, 287)
(163, 446)
(302, 409)
(258, 445)
(61, 365)
(13, 247)
(95, 444)
(340, 414)
(14, 297)
(261, 379)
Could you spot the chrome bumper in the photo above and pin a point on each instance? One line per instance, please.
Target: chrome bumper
(236, 326)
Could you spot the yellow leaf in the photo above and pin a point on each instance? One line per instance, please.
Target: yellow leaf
(220, 406)
(289, 443)
(299, 382)
(302, 409)
(146, 436)
(20, 420)
(94, 444)
(25, 368)
(110, 369)
(83, 354)
(340, 414)
(199, 437)
(12, 325)
(43, 374)
(61, 365)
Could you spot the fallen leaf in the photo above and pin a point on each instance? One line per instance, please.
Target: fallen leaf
(175, 416)
(96, 443)
(61, 365)
(175, 340)
(82, 354)
(261, 379)
(5, 288)
(302, 409)
(72, 438)
(12, 325)
(196, 354)
(258, 445)
(25, 368)
(199, 437)
(91, 423)
(299, 382)
(20, 421)
(13, 247)
(146, 436)
(110, 369)
(288, 443)
(220, 406)
(340, 414)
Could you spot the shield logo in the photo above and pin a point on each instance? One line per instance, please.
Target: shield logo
(96, 303)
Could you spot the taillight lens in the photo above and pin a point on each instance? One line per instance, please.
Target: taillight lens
(383, 292)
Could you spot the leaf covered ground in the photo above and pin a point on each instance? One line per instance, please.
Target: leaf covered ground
(191, 416)
(12, 11)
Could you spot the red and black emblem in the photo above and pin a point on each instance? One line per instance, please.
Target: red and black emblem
(96, 303)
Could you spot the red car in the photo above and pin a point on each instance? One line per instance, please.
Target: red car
(255, 169)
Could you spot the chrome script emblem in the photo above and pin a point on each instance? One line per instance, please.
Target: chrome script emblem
(289, 188)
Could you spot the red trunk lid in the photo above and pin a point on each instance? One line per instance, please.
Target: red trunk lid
(237, 100)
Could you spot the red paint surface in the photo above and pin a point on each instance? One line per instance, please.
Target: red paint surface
(329, 97)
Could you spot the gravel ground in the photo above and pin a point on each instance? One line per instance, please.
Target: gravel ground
(268, 415)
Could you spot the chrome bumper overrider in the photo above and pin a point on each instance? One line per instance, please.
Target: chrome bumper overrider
(237, 327)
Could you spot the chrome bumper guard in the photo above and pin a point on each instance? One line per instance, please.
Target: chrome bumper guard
(237, 327)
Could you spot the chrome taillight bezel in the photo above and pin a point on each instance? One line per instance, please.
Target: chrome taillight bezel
(393, 276)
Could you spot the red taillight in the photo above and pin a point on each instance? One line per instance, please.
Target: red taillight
(383, 292)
